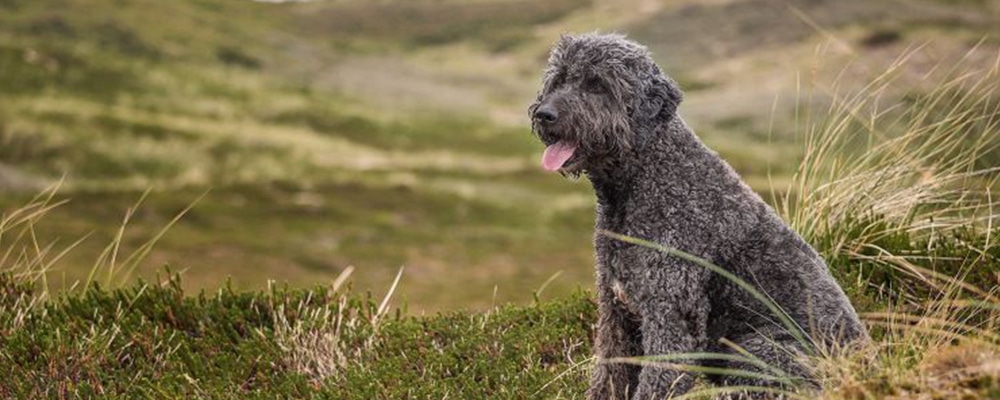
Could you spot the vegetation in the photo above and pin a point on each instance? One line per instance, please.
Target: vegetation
(303, 180)
(401, 143)
(153, 340)
(919, 261)
(498, 24)
(219, 202)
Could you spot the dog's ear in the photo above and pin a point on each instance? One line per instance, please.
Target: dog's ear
(662, 98)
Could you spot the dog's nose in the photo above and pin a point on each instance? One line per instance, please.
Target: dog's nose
(546, 114)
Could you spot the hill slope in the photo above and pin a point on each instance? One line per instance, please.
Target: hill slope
(344, 133)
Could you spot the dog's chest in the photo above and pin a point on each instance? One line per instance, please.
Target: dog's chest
(621, 295)
(617, 261)
(616, 267)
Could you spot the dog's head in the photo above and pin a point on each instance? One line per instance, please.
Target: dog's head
(600, 92)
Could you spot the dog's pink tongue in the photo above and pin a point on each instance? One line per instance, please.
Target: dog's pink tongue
(556, 155)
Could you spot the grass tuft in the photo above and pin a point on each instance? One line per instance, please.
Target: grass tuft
(896, 190)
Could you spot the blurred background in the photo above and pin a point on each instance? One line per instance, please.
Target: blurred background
(381, 134)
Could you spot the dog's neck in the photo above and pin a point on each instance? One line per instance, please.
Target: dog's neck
(610, 191)
(615, 184)
(619, 179)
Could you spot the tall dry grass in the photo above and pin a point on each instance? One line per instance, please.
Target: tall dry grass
(321, 339)
(891, 158)
(25, 260)
(918, 162)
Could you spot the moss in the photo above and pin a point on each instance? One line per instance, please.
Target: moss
(508, 353)
(133, 342)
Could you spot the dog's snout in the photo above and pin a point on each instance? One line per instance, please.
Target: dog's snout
(546, 114)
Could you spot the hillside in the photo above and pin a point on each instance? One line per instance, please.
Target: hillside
(341, 199)
(154, 340)
(380, 135)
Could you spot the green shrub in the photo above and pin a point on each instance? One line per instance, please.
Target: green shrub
(153, 339)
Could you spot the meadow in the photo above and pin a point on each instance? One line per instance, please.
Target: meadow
(398, 139)
(905, 221)
(222, 199)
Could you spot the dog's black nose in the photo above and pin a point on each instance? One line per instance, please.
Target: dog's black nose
(546, 114)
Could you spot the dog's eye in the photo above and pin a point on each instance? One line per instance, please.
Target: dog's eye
(557, 80)
(593, 85)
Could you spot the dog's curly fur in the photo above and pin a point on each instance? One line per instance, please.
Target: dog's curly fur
(655, 180)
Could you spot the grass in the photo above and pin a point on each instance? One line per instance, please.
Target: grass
(497, 25)
(154, 340)
(113, 100)
(899, 200)
(876, 178)
(110, 339)
(187, 96)
(922, 271)
(306, 180)
(378, 229)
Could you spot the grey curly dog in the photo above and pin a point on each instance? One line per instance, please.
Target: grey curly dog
(606, 110)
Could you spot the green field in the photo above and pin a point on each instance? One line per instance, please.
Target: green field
(390, 135)
(184, 183)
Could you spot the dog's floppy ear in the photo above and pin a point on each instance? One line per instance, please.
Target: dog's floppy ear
(662, 98)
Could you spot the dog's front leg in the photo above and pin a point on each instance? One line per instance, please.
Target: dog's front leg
(674, 309)
(617, 336)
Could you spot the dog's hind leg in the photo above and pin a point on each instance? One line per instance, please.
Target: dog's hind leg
(776, 362)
